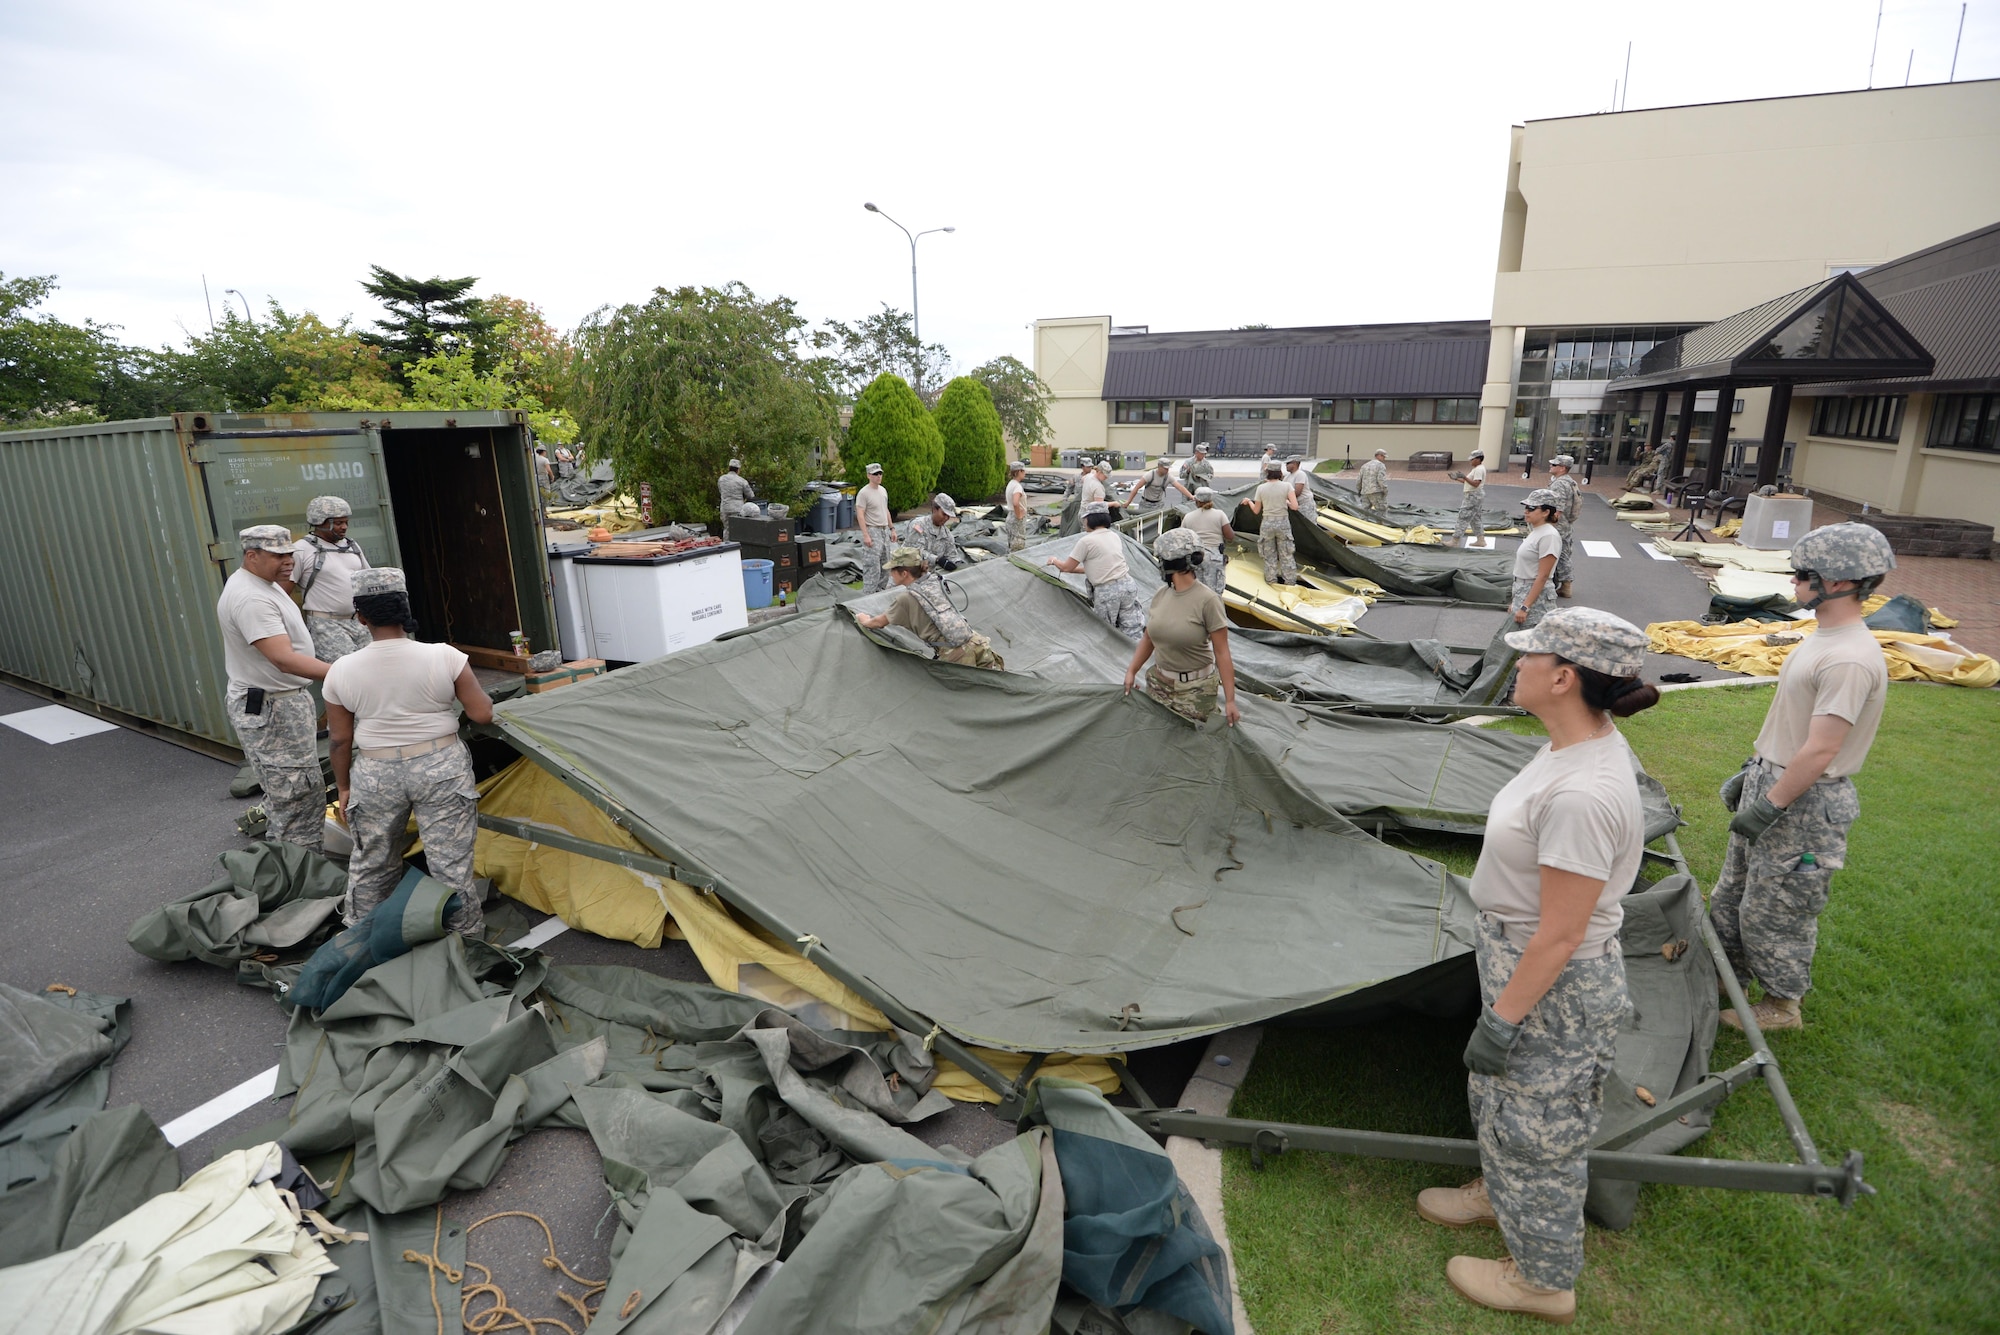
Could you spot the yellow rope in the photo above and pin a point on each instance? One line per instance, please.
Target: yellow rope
(502, 1315)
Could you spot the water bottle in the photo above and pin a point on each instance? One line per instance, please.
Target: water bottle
(1807, 862)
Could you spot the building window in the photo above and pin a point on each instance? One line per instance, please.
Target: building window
(1966, 422)
(1458, 410)
(1139, 412)
(1860, 417)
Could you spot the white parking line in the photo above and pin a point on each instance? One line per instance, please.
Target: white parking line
(1593, 547)
(265, 1083)
(1654, 552)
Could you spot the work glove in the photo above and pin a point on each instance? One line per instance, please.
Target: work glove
(1732, 790)
(1492, 1039)
(1753, 820)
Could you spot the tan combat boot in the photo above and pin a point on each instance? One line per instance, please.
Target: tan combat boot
(1772, 1013)
(1563, 589)
(1498, 1285)
(1458, 1207)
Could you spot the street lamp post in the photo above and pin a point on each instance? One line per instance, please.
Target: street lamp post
(916, 323)
(247, 317)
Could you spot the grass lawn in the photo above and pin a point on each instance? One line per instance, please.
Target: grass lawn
(1900, 1059)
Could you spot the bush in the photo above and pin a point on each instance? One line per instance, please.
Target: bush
(975, 451)
(891, 427)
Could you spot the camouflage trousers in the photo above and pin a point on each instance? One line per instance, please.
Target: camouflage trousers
(382, 795)
(1471, 518)
(1568, 553)
(1765, 905)
(874, 576)
(1378, 505)
(281, 745)
(1214, 569)
(1017, 532)
(976, 652)
(1536, 1121)
(335, 637)
(1116, 603)
(1542, 605)
(1190, 699)
(1274, 544)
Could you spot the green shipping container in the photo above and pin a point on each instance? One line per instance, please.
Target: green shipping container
(115, 539)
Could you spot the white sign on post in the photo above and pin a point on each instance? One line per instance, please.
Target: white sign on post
(1781, 528)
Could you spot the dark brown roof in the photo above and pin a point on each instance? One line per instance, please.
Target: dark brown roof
(1948, 296)
(1835, 329)
(1430, 359)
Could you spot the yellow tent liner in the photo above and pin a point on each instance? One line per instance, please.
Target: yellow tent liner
(1746, 646)
(612, 901)
(1332, 605)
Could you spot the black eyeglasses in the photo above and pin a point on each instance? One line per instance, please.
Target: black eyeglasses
(1804, 576)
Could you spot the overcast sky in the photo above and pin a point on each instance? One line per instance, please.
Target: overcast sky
(1186, 166)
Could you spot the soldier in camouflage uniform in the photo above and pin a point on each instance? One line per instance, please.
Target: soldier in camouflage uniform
(931, 535)
(396, 753)
(924, 608)
(267, 654)
(1016, 506)
(324, 563)
(735, 494)
(1472, 505)
(1563, 844)
(1794, 799)
(1199, 472)
(1273, 503)
(1564, 488)
(1099, 556)
(1375, 486)
(1186, 637)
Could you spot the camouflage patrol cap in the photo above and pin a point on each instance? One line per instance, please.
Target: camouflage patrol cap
(379, 580)
(904, 558)
(1206, 494)
(1562, 461)
(1588, 638)
(266, 538)
(874, 468)
(1543, 498)
(1844, 551)
(1201, 447)
(1096, 508)
(322, 508)
(1018, 466)
(1174, 544)
(946, 504)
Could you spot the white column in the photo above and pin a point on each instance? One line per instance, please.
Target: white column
(1496, 396)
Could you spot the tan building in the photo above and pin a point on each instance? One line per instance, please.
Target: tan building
(1620, 232)
(1338, 391)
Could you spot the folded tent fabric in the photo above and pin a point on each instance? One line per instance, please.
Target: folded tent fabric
(271, 897)
(1749, 647)
(45, 1045)
(111, 1163)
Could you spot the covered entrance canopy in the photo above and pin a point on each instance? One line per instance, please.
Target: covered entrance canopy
(1833, 330)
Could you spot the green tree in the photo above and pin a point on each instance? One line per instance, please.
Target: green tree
(429, 316)
(1020, 397)
(876, 344)
(52, 373)
(671, 390)
(289, 362)
(975, 455)
(450, 380)
(891, 427)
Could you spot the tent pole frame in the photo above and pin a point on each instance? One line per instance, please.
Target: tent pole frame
(1608, 1158)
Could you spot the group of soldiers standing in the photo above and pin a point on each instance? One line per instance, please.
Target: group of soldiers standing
(392, 708)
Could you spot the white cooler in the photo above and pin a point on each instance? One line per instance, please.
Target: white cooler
(1773, 523)
(648, 608)
(573, 631)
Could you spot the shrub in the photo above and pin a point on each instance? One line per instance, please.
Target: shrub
(891, 427)
(975, 452)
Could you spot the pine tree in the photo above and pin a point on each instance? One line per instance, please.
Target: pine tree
(975, 462)
(428, 317)
(891, 427)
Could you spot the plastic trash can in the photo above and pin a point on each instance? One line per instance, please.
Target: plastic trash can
(846, 520)
(756, 584)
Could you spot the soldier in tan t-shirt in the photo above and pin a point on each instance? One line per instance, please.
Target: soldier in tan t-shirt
(1273, 503)
(1794, 800)
(1186, 636)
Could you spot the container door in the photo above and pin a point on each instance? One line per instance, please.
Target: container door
(267, 477)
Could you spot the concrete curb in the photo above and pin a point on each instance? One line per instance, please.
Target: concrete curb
(1210, 1090)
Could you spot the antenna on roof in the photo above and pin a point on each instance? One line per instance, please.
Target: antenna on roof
(1907, 66)
(1627, 94)
(1874, 44)
(1954, 45)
